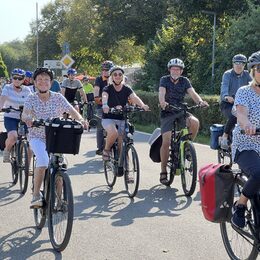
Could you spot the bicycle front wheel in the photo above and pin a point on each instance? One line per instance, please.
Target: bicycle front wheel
(60, 211)
(23, 163)
(240, 243)
(132, 171)
(189, 169)
(14, 165)
(110, 169)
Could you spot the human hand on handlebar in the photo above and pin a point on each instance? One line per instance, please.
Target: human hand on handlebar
(164, 104)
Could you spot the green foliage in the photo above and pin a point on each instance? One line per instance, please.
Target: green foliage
(3, 68)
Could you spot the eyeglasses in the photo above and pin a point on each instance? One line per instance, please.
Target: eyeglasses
(18, 78)
(118, 74)
(239, 63)
(257, 68)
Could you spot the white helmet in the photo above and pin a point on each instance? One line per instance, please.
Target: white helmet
(175, 62)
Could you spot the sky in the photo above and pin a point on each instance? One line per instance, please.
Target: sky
(16, 16)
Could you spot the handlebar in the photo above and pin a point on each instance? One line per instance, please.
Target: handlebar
(10, 109)
(125, 110)
(257, 132)
(181, 107)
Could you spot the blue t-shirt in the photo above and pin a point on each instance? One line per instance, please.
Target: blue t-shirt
(55, 86)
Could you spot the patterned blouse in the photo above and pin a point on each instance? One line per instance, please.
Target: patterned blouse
(54, 107)
(247, 97)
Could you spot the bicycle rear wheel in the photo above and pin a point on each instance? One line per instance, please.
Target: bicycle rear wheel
(14, 166)
(23, 163)
(240, 243)
(61, 211)
(110, 168)
(131, 171)
(189, 172)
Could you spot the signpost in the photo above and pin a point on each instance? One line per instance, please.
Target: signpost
(67, 61)
(52, 64)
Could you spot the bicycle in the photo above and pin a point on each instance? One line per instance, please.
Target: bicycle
(125, 163)
(243, 243)
(224, 155)
(87, 110)
(182, 154)
(19, 153)
(57, 193)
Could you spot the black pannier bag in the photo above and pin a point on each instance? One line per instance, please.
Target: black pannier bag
(3, 137)
(216, 131)
(63, 136)
(156, 142)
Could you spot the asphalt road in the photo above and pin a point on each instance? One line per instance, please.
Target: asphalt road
(159, 223)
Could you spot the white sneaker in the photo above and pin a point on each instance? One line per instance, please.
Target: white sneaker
(36, 202)
(6, 156)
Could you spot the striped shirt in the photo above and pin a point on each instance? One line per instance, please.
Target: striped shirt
(15, 99)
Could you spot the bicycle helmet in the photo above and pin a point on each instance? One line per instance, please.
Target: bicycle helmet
(253, 60)
(42, 70)
(114, 69)
(107, 65)
(19, 72)
(28, 74)
(239, 58)
(175, 63)
(71, 71)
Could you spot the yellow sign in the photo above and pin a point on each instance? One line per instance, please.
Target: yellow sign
(67, 61)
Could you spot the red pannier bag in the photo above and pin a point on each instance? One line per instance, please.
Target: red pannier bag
(217, 192)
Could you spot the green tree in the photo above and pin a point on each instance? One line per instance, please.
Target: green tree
(3, 68)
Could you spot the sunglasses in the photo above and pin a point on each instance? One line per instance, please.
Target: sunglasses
(118, 74)
(17, 78)
(257, 68)
(239, 63)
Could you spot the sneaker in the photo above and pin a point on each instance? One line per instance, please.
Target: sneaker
(224, 143)
(6, 156)
(238, 218)
(99, 152)
(36, 202)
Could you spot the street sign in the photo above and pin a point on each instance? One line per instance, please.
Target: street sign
(52, 64)
(66, 48)
(67, 61)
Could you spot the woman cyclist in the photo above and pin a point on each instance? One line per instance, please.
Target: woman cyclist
(44, 104)
(13, 95)
(246, 147)
(116, 94)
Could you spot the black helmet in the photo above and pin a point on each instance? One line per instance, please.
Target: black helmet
(114, 69)
(107, 65)
(42, 70)
(253, 60)
(239, 58)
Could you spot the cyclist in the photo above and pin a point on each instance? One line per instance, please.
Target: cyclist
(246, 147)
(13, 95)
(116, 94)
(55, 86)
(28, 80)
(87, 86)
(172, 90)
(232, 80)
(70, 86)
(43, 104)
(100, 83)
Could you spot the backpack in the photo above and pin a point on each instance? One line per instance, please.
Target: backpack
(3, 137)
(217, 192)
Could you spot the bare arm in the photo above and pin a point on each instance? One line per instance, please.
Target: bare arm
(136, 100)
(2, 101)
(243, 120)
(196, 97)
(162, 92)
(83, 94)
(77, 116)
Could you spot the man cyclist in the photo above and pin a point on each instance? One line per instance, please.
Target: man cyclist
(232, 80)
(172, 90)
(13, 95)
(70, 86)
(100, 83)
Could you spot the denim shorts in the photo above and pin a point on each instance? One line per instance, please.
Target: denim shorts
(11, 124)
(120, 124)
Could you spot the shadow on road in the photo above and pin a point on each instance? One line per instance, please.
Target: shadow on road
(102, 202)
(8, 195)
(23, 244)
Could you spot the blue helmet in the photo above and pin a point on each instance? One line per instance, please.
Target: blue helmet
(19, 72)
(71, 71)
(28, 74)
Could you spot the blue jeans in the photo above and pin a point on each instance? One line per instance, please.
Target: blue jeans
(249, 162)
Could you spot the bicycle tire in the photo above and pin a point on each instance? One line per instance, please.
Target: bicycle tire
(237, 247)
(14, 166)
(23, 163)
(189, 172)
(131, 171)
(60, 211)
(110, 169)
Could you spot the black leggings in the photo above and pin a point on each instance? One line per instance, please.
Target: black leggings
(249, 162)
(226, 109)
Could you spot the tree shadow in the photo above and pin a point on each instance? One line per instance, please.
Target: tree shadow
(8, 195)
